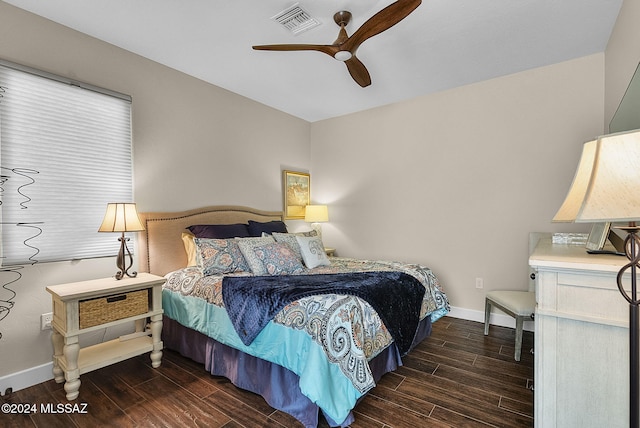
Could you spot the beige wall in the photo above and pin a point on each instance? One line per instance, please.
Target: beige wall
(622, 56)
(454, 180)
(194, 144)
(457, 180)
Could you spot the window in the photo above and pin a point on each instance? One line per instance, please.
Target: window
(65, 152)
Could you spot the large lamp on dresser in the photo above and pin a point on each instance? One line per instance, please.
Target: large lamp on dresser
(606, 188)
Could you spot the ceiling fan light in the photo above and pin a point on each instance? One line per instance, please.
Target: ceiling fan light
(342, 55)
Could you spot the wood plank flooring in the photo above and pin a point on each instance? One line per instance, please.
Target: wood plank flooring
(455, 378)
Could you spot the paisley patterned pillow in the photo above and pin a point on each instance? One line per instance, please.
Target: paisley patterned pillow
(278, 259)
(312, 250)
(246, 247)
(290, 239)
(216, 256)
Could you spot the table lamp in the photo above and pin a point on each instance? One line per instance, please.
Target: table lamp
(606, 188)
(122, 217)
(316, 214)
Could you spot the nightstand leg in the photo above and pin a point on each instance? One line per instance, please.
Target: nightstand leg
(71, 351)
(156, 330)
(58, 343)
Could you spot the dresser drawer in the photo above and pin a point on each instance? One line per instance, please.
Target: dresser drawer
(112, 308)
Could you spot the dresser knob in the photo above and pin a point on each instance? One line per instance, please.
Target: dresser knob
(533, 275)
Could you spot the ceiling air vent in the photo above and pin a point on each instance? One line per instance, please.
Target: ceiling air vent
(295, 19)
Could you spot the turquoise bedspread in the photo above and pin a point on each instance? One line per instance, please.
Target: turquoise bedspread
(321, 381)
(326, 340)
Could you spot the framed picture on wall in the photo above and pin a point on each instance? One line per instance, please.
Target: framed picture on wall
(297, 191)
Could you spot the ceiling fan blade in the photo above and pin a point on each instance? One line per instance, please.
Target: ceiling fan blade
(381, 21)
(358, 71)
(328, 49)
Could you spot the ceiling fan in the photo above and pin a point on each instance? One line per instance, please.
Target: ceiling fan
(344, 48)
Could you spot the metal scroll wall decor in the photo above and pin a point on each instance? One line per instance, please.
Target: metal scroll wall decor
(10, 275)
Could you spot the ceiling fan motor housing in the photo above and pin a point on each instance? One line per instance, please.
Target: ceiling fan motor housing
(343, 55)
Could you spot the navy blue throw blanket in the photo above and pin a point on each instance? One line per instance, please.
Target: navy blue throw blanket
(252, 301)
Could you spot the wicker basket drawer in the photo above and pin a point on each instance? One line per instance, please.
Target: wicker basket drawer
(111, 308)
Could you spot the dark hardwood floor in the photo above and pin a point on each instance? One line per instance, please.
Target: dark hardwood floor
(455, 378)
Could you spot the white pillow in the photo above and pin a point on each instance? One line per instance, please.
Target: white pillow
(312, 251)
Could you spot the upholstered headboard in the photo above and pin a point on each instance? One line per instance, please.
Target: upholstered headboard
(160, 247)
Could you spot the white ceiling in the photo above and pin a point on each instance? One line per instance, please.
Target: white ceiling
(441, 45)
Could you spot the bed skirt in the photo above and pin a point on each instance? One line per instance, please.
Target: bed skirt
(276, 384)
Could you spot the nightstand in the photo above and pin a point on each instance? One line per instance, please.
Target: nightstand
(86, 306)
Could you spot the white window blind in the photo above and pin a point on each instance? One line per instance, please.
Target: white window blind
(65, 152)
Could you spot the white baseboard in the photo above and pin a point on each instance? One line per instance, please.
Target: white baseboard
(497, 318)
(26, 378)
(35, 375)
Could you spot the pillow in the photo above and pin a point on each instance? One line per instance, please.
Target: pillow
(246, 247)
(278, 259)
(256, 228)
(190, 248)
(290, 239)
(217, 256)
(312, 251)
(220, 231)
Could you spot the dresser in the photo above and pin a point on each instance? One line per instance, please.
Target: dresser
(581, 339)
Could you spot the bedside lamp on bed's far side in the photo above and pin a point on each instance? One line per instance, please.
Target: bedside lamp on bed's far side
(122, 217)
(316, 214)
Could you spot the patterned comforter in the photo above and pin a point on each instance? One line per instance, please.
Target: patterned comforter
(344, 328)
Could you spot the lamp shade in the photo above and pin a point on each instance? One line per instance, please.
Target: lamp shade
(606, 187)
(316, 213)
(121, 217)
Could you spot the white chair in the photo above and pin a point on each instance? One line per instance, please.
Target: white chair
(518, 304)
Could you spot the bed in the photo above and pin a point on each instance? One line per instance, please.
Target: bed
(310, 334)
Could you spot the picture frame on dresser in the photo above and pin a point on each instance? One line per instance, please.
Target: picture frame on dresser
(603, 240)
(598, 236)
(296, 193)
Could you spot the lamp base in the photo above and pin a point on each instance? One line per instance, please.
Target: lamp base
(632, 250)
(318, 228)
(121, 260)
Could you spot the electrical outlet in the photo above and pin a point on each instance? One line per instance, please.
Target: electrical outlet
(45, 321)
(479, 283)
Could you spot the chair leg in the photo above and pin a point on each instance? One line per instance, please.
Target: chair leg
(519, 325)
(487, 315)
